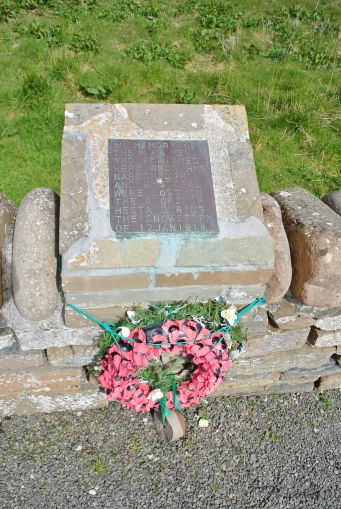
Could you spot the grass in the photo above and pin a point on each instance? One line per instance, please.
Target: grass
(281, 60)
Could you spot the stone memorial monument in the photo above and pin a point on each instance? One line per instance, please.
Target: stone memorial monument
(158, 203)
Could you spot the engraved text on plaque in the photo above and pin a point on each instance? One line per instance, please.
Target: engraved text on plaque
(161, 186)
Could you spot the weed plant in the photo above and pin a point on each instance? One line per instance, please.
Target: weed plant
(282, 60)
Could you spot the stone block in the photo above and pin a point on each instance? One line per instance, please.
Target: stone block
(110, 253)
(301, 322)
(312, 311)
(333, 200)
(310, 374)
(280, 281)
(108, 314)
(249, 277)
(329, 323)
(105, 283)
(37, 339)
(7, 213)
(228, 251)
(75, 355)
(320, 338)
(41, 380)
(283, 312)
(74, 221)
(34, 264)
(314, 234)
(21, 360)
(279, 387)
(329, 382)
(255, 322)
(27, 404)
(8, 343)
(298, 358)
(234, 295)
(281, 342)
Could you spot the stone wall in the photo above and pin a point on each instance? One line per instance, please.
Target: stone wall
(294, 342)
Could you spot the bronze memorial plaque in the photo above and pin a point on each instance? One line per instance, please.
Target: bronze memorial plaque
(161, 186)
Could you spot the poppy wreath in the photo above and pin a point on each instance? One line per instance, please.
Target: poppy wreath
(209, 354)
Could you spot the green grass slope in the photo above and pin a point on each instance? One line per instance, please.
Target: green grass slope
(281, 60)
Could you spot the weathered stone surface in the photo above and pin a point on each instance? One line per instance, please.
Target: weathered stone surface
(176, 117)
(7, 214)
(249, 277)
(234, 295)
(283, 311)
(74, 355)
(329, 368)
(299, 358)
(118, 253)
(37, 339)
(108, 314)
(329, 382)
(234, 115)
(74, 193)
(243, 172)
(219, 252)
(254, 389)
(8, 343)
(275, 343)
(41, 380)
(21, 360)
(313, 311)
(27, 404)
(105, 283)
(329, 323)
(280, 281)
(35, 255)
(314, 234)
(333, 200)
(255, 322)
(320, 338)
(301, 322)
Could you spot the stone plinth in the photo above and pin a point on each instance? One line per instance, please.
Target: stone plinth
(174, 214)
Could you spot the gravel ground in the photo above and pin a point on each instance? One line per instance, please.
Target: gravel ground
(262, 452)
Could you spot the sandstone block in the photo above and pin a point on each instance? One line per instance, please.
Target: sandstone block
(21, 360)
(298, 358)
(320, 338)
(249, 277)
(34, 270)
(105, 283)
(255, 322)
(74, 219)
(275, 343)
(226, 251)
(333, 200)
(280, 281)
(329, 382)
(107, 314)
(7, 214)
(42, 380)
(76, 355)
(113, 253)
(314, 234)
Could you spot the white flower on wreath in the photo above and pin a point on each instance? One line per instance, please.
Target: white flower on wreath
(230, 315)
(124, 331)
(155, 394)
(131, 315)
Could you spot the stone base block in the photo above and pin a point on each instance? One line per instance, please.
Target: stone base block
(74, 356)
(42, 380)
(22, 360)
(27, 404)
(263, 388)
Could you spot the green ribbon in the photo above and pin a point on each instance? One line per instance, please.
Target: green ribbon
(165, 412)
(175, 397)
